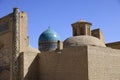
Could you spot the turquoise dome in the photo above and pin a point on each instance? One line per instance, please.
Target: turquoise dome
(49, 35)
(48, 40)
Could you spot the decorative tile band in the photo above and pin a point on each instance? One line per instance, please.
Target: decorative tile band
(16, 42)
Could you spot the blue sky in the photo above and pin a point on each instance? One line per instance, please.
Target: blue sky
(60, 14)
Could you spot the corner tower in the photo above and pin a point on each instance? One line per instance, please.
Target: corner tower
(81, 28)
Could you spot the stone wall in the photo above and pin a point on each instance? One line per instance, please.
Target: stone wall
(70, 64)
(30, 64)
(114, 45)
(6, 50)
(103, 63)
(24, 41)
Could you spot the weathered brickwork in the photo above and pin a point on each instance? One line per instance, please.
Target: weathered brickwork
(114, 45)
(6, 48)
(103, 63)
(70, 64)
(83, 58)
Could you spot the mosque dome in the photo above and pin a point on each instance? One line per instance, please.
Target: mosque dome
(48, 40)
(83, 40)
(49, 35)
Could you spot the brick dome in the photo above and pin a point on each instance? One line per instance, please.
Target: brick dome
(83, 40)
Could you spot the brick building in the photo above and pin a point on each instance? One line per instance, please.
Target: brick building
(85, 56)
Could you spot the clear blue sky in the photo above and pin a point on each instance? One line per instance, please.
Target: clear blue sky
(60, 14)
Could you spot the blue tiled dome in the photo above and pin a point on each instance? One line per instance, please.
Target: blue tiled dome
(48, 40)
(49, 35)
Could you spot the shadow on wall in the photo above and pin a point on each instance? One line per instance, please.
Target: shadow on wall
(33, 71)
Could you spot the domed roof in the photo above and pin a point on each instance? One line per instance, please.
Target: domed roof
(83, 40)
(49, 35)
